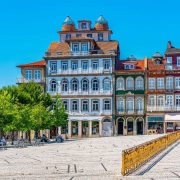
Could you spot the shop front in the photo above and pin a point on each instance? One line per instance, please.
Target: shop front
(155, 124)
(172, 122)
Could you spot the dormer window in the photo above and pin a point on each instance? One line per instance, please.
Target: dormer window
(84, 47)
(89, 35)
(75, 47)
(100, 37)
(84, 25)
(129, 66)
(68, 36)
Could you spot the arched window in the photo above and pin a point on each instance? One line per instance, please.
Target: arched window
(120, 84)
(65, 103)
(139, 83)
(95, 84)
(65, 85)
(74, 105)
(129, 83)
(85, 85)
(120, 105)
(53, 85)
(130, 104)
(74, 85)
(160, 101)
(139, 104)
(107, 84)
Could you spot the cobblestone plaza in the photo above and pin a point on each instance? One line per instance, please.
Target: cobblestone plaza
(95, 158)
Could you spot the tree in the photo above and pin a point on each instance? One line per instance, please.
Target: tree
(59, 117)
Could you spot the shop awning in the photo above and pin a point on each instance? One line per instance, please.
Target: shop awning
(175, 117)
(155, 119)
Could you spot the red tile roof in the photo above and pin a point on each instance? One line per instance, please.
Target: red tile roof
(139, 65)
(152, 66)
(41, 63)
(64, 49)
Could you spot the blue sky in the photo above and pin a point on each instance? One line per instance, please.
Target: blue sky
(27, 27)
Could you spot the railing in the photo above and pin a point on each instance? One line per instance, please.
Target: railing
(23, 80)
(74, 93)
(120, 111)
(79, 53)
(163, 108)
(172, 67)
(91, 112)
(81, 71)
(133, 158)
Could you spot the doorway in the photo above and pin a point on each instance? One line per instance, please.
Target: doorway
(120, 126)
(139, 127)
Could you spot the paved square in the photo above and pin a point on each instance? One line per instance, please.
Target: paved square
(96, 158)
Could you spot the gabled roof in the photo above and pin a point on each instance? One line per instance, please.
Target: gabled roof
(139, 65)
(41, 63)
(170, 51)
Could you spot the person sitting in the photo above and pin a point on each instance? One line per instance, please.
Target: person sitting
(59, 138)
(44, 138)
(3, 141)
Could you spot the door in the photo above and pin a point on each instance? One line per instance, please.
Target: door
(120, 127)
(139, 127)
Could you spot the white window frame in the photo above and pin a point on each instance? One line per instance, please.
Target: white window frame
(160, 83)
(130, 104)
(120, 85)
(83, 67)
(53, 66)
(106, 84)
(85, 86)
(74, 107)
(106, 64)
(177, 101)
(95, 86)
(66, 104)
(107, 104)
(37, 74)
(129, 85)
(178, 61)
(84, 47)
(95, 105)
(139, 104)
(169, 82)
(64, 65)
(75, 47)
(95, 65)
(120, 104)
(151, 83)
(64, 85)
(28, 74)
(85, 103)
(139, 83)
(177, 82)
(169, 100)
(74, 65)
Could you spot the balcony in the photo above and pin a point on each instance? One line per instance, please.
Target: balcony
(78, 53)
(163, 108)
(172, 67)
(23, 80)
(90, 112)
(129, 112)
(81, 71)
(82, 93)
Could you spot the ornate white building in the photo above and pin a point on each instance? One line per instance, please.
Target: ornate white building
(80, 68)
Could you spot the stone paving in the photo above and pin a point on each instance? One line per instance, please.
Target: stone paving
(95, 158)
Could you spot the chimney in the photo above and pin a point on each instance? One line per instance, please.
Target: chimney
(169, 45)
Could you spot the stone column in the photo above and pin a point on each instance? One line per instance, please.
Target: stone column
(90, 128)
(24, 135)
(100, 128)
(59, 129)
(32, 134)
(79, 129)
(19, 134)
(69, 129)
(125, 129)
(47, 132)
(135, 127)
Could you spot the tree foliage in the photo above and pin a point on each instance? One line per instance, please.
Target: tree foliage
(26, 107)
